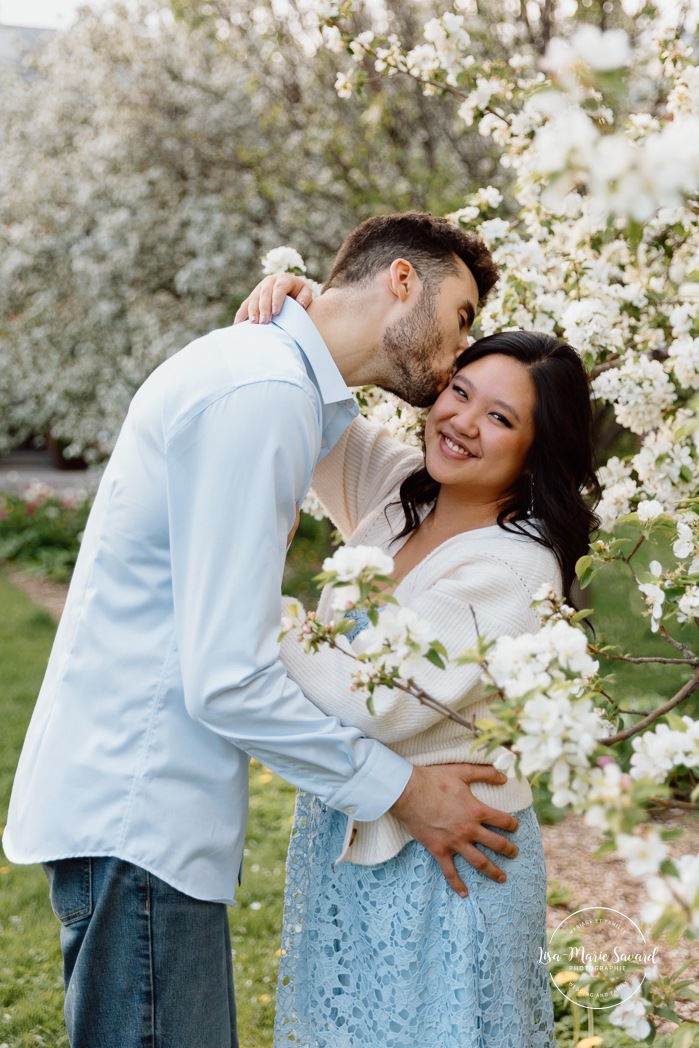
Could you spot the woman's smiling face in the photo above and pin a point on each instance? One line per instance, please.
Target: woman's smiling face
(481, 427)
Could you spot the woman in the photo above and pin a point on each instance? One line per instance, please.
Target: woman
(377, 950)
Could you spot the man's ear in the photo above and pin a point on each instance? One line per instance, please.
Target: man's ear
(403, 281)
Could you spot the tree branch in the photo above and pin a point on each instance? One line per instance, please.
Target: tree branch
(684, 693)
(691, 660)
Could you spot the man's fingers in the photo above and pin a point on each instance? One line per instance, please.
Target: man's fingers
(500, 820)
(475, 857)
(446, 865)
(497, 843)
(482, 773)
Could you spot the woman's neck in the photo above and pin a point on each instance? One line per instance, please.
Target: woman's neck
(453, 515)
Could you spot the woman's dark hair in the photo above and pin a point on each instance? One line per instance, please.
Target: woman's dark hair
(559, 469)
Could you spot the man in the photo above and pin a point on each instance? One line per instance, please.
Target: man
(164, 677)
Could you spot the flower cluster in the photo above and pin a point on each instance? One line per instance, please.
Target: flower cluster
(394, 646)
(656, 753)
(631, 1014)
(283, 260)
(678, 893)
(351, 570)
(544, 678)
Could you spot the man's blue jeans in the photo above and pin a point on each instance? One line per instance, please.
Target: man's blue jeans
(145, 966)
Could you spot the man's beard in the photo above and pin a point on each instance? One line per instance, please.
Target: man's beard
(409, 349)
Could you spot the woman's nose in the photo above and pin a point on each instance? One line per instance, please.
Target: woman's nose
(466, 422)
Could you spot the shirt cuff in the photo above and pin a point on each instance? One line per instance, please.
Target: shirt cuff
(374, 789)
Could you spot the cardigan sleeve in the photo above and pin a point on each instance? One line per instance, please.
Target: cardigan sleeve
(501, 604)
(360, 472)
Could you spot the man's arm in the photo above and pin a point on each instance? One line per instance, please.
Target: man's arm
(235, 472)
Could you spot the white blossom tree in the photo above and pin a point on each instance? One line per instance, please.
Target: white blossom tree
(148, 161)
(596, 227)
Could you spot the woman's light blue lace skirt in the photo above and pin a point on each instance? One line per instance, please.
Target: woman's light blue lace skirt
(388, 956)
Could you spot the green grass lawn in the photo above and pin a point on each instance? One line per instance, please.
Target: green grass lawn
(31, 988)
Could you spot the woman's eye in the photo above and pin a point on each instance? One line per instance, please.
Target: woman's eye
(460, 391)
(501, 418)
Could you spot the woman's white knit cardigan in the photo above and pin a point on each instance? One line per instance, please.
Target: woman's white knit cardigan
(488, 570)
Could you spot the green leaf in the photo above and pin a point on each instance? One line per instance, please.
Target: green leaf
(667, 1013)
(668, 868)
(583, 569)
(436, 659)
(675, 721)
(684, 1036)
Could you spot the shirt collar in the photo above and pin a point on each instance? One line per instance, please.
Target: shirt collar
(295, 321)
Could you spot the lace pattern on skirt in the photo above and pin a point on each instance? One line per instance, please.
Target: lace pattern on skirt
(388, 956)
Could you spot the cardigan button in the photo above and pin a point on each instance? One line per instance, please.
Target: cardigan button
(351, 810)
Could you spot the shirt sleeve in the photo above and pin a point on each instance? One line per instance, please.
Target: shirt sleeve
(235, 473)
(501, 605)
(360, 472)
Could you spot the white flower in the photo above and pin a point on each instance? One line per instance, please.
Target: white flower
(423, 60)
(644, 854)
(466, 214)
(351, 562)
(630, 1015)
(344, 85)
(667, 893)
(654, 599)
(570, 645)
(656, 752)
(640, 390)
(504, 762)
(586, 324)
(545, 592)
(345, 597)
(493, 230)
(397, 642)
(649, 509)
(488, 197)
(686, 543)
(332, 38)
(282, 260)
(360, 45)
(599, 49)
(688, 604)
(683, 356)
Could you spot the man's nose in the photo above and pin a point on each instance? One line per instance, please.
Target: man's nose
(464, 341)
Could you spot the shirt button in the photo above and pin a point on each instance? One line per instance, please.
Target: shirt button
(351, 810)
(323, 443)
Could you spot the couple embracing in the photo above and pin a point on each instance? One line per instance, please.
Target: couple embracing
(167, 675)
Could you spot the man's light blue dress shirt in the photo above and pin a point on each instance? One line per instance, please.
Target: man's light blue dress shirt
(165, 675)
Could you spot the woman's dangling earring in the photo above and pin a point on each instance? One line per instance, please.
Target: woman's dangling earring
(531, 495)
